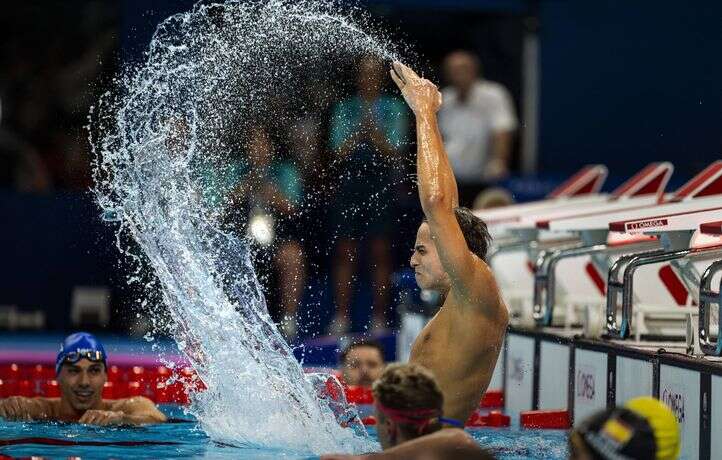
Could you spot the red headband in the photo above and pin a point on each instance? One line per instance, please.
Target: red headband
(420, 417)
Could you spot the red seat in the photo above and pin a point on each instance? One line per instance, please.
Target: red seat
(26, 388)
(11, 372)
(161, 374)
(190, 377)
(42, 372)
(109, 391)
(115, 374)
(136, 374)
(50, 389)
(359, 395)
(135, 389)
(171, 393)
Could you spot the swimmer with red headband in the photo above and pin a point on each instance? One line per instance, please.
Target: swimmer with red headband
(408, 406)
(81, 369)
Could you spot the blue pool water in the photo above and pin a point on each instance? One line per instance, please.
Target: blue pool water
(185, 440)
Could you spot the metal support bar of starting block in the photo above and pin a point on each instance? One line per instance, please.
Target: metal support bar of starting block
(524, 244)
(707, 298)
(545, 274)
(615, 288)
(634, 262)
(545, 279)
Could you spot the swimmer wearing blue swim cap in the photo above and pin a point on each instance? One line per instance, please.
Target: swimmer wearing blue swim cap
(81, 369)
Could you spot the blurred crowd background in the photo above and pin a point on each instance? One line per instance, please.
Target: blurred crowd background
(533, 90)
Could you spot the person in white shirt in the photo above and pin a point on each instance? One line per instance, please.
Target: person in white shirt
(477, 121)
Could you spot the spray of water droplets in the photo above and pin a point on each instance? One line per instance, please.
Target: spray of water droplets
(161, 148)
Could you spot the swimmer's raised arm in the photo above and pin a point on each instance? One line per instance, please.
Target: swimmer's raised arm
(470, 277)
(436, 181)
(444, 444)
(131, 411)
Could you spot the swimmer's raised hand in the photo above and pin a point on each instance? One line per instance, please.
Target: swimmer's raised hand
(422, 96)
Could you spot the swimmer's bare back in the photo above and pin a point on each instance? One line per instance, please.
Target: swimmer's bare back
(461, 344)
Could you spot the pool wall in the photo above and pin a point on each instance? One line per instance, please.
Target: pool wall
(547, 369)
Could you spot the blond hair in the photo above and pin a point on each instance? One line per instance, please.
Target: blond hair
(409, 387)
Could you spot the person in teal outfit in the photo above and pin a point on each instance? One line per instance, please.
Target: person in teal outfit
(264, 201)
(368, 132)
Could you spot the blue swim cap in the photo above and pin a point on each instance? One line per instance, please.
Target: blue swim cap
(78, 346)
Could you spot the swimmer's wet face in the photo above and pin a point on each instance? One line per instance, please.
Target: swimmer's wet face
(81, 384)
(362, 366)
(428, 270)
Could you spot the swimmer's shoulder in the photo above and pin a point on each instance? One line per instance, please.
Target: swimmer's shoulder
(486, 294)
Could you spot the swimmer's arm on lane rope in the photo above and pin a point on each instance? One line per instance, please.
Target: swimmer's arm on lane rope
(24, 409)
(444, 444)
(138, 411)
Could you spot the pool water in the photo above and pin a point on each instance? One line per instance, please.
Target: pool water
(184, 439)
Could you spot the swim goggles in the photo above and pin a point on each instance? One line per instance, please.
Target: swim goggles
(93, 356)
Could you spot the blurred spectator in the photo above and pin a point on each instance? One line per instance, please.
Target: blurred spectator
(494, 197)
(268, 195)
(366, 134)
(477, 121)
(362, 363)
(48, 86)
(21, 168)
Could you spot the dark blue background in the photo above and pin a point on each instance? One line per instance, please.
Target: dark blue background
(622, 83)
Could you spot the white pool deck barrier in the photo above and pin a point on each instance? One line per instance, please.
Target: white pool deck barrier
(616, 298)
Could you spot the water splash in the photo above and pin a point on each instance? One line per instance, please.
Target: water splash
(165, 161)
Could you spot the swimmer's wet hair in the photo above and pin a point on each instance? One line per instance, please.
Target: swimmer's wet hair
(359, 344)
(475, 232)
(409, 387)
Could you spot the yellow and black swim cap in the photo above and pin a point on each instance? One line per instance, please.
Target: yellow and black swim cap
(643, 429)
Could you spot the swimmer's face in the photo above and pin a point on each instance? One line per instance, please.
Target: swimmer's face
(81, 384)
(428, 270)
(363, 366)
(461, 70)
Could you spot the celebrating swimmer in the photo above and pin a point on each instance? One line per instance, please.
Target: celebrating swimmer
(461, 344)
(81, 368)
(408, 407)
